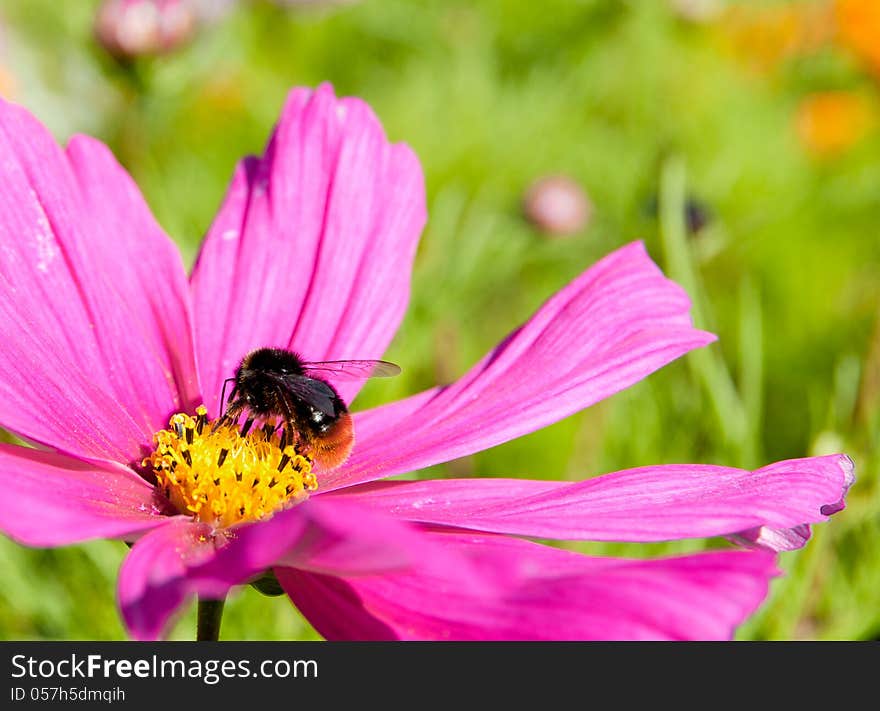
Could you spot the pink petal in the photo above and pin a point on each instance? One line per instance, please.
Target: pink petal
(326, 536)
(655, 503)
(183, 559)
(96, 297)
(543, 593)
(313, 247)
(149, 306)
(614, 325)
(153, 580)
(53, 500)
(786, 539)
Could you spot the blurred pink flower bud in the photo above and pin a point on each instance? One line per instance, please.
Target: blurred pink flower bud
(132, 28)
(557, 205)
(313, 3)
(212, 11)
(697, 11)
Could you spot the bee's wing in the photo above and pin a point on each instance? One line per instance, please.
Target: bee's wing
(352, 369)
(313, 392)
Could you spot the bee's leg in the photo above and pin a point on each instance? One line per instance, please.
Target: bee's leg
(245, 428)
(231, 415)
(223, 393)
(291, 435)
(306, 450)
(304, 445)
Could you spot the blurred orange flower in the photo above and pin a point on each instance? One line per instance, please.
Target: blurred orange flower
(7, 84)
(830, 122)
(858, 29)
(766, 36)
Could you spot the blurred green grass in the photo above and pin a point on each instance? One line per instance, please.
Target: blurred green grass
(635, 104)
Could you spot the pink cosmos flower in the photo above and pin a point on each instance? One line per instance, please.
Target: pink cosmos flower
(107, 342)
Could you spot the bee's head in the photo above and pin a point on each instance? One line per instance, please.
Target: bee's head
(276, 360)
(257, 390)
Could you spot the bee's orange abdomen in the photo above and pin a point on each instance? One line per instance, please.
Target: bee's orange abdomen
(333, 447)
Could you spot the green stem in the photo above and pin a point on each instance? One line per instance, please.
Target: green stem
(707, 364)
(210, 615)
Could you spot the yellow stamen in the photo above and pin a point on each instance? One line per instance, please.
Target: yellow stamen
(212, 472)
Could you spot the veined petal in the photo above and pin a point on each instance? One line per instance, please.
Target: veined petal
(656, 503)
(149, 305)
(774, 539)
(168, 566)
(154, 578)
(53, 500)
(543, 593)
(317, 237)
(618, 322)
(95, 294)
(787, 539)
(327, 536)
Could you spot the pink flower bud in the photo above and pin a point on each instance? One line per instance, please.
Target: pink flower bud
(132, 28)
(697, 11)
(557, 205)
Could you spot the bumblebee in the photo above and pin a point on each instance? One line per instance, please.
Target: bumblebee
(277, 383)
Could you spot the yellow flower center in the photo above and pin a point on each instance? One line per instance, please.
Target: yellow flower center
(221, 475)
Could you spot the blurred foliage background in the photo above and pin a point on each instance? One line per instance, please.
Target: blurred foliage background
(740, 140)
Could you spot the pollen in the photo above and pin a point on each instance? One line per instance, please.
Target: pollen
(222, 474)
